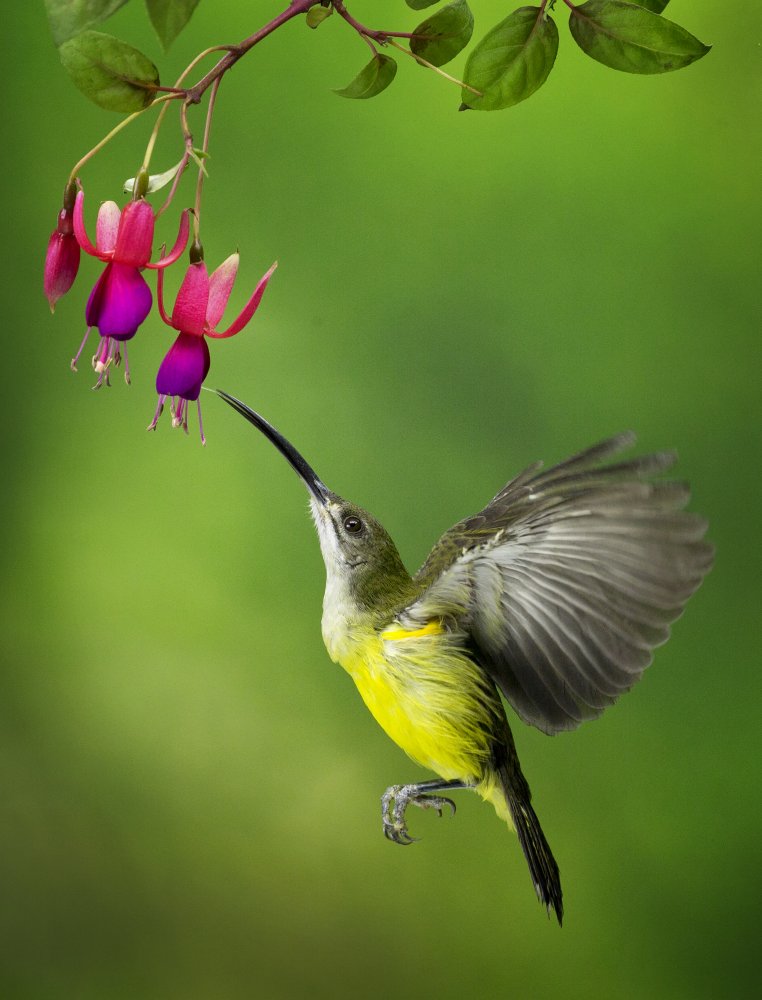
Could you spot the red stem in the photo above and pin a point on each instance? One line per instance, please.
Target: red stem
(194, 94)
(377, 36)
(236, 52)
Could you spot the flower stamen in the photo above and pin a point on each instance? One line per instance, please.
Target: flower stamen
(127, 377)
(200, 424)
(108, 355)
(75, 359)
(157, 414)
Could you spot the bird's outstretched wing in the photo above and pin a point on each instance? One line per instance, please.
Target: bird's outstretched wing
(568, 579)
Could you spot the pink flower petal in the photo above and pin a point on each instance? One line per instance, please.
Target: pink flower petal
(177, 249)
(135, 237)
(61, 266)
(189, 313)
(248, 310)
(119, 302)
(106, 228)
(220, 287)
(79, 226)
(184, 368)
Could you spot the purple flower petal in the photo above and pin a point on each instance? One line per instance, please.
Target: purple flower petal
(184, 368)
(93, 307)
(119, 302)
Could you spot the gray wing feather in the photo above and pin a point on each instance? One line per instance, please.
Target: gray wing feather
(568, 580)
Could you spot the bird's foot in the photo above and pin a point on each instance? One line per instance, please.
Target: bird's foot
(395, 801)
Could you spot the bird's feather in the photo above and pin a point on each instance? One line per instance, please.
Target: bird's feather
(568, 579)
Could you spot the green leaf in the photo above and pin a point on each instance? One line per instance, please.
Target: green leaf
(111, 73)
(420, 4)
(68, 18)
(155, 181)
(316, 15)
(630, 38)
(169, 17)
(448, 31)
(512, 61)
(372, 79)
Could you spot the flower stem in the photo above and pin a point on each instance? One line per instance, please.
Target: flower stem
(155, 132)
(204, 149)
(115, 131)
(173, 190)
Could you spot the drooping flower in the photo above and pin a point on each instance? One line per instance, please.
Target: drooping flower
(121, 298)
(62, 258)
(198, 309)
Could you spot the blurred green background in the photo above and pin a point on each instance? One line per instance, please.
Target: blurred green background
(188, 787)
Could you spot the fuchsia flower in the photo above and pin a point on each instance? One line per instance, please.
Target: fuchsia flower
(62, 258)
(198, 309)
(121, 298)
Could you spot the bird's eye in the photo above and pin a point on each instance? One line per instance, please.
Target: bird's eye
(352, 524)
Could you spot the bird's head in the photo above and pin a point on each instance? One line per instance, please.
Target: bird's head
(359, 554)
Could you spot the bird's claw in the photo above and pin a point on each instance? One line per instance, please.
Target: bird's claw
(398, 834)
(395, 801)
(394, 821)
(437, 802)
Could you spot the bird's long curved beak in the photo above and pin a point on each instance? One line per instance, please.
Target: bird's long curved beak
(313, 483)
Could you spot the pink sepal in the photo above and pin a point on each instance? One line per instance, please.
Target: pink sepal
(79, 226)
(189, 314)
(220, 286)
(160, 297)
(249, 309)
(177, 249)
(135, 237)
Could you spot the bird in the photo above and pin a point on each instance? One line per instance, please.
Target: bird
(554, 595)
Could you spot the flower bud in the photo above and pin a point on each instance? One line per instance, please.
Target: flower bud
(62, 259)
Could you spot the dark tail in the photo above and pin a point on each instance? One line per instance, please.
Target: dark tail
(542, 864)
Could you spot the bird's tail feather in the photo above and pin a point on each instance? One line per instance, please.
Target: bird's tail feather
(513, 789)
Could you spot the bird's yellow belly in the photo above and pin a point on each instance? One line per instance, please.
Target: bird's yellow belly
(429, 697)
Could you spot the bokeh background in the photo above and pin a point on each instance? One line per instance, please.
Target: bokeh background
(188, 787)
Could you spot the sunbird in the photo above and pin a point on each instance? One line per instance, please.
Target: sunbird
(554, 595)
